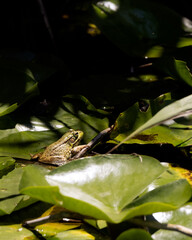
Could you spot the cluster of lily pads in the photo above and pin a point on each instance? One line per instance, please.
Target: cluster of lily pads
(106, 190)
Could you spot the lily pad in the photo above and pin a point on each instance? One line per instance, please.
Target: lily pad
(51, 229)
(104, 186)
(73, 235)
(6, 165)
(137, 122)
(16, 232)
(135, 234)
(32, 135)
(171, 175)
(181, 216)
(177, 69)
(10, 198)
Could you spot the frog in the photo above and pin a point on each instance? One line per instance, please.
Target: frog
(61, 151)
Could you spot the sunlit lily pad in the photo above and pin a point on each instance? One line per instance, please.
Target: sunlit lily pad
(105, 186)
(51, 229)
(16, 232)
(74, 235)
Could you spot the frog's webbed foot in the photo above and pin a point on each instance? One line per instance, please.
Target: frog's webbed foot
(36, 156)
(77, 149)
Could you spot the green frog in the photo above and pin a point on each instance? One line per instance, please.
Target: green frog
(61, 151)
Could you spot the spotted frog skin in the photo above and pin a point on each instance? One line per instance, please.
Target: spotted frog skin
(61, 151)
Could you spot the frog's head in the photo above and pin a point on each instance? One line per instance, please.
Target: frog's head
(74, 137)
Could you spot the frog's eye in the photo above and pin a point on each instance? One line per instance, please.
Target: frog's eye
(73, 138)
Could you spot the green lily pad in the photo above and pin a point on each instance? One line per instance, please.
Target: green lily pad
(48, 230)
(136, 234)
(159, 199)
(29, 212)
(16, 232)
(175, 134)
(51, 229)
(104, 186)
(6, 165)
(171, 175)
(34, 134)
(141, 127)
(181, 216)
(10, 197)
(73, 235)
(177, 69)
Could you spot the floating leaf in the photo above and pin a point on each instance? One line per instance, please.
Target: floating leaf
(33, 135)
(29, 212)
(16, 232)
(104, 186)
(147, 120)
(181, 216)
(51, 229)
(171, 175)
(177, 69)
(6, 165)
(10, 198)
(73, 235)
(135, 234)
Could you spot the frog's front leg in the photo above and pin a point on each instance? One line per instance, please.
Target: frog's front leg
(77, 149)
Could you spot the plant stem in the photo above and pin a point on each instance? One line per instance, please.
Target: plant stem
(75, 217)
(46, 21)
